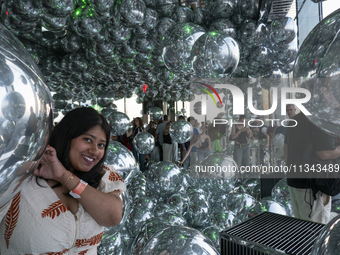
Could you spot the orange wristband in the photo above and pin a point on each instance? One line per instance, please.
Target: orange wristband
(79, 189)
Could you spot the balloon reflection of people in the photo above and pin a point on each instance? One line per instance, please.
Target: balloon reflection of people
(64, 208)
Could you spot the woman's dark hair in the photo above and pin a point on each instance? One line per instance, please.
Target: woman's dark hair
(141, 124)
(74, 124)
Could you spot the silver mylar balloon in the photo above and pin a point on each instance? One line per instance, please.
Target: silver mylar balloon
(336, 206)
(166, 7)
(224, 219)
(178, 45)
(181, 131)
(215, 55)
(322, 44)
(84, 22)
(112, 243)
(224, 26)
(283, 30)
(132, 10)
(137, 218)
(144, 142)
(327, 243)
(150, 227)
(119, 123)
(13, 106)
(280, 192)
(156, 113)
(198, 210)
(213, 233)
(217, 165)
(164, 179)
(237, 202)
(184, 241)
(123, 161)
(25, 116)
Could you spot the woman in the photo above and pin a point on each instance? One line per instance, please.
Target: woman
(240, 133)
(205, 149)
(194, 142)
(136, 129)
(167, 143)
(63, 210)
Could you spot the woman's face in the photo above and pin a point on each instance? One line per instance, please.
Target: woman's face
(137, 122)
(88, 149)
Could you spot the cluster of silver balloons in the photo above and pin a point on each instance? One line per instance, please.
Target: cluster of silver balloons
(99, 49)
(191, 207)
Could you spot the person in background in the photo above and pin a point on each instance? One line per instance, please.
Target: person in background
(167, 143)
(240, 133)
(260, 133)
(136, 129)
(205, 148)
(152, 128)
(159, 135)
(326, 151)
(193, 151)
(291, 110)
(72, 195)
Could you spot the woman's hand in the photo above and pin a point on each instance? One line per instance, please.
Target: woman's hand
(180, 163)
(50, 167)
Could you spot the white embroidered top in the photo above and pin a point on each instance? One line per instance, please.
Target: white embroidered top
(37, 222)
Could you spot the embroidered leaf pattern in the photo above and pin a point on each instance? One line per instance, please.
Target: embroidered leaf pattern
(54, 210)
(92, 241)
(57, 253)
(82, 252)
(12, 218)
(115, 177)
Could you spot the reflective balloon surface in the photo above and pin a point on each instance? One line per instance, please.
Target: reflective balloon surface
(156, 113)
(178, 45)
(164, 178)
(25, 116)
(184, 240)
(215, 55)
(122, 160)
(181, 131)
(144, 143)
(327, 242)
(317, 70)
(119, 123)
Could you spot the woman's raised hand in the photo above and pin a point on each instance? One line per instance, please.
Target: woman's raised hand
(50, 166)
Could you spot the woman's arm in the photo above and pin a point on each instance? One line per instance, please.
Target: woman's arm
(105, 208)
(186, 155)
(234, 134)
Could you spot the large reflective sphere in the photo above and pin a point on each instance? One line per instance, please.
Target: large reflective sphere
(181, 131)
(217, 165)
(144, 143)
(123, 161)
(215, 55)
(156, 113)
(178, 45)
(119, 123)
(317, 69)
(25, 115)
(179, 240)
(164, 178)
(327, 242)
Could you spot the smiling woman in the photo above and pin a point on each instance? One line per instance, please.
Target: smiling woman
(74, 196)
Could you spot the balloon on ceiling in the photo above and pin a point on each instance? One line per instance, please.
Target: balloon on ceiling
(90, 48)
